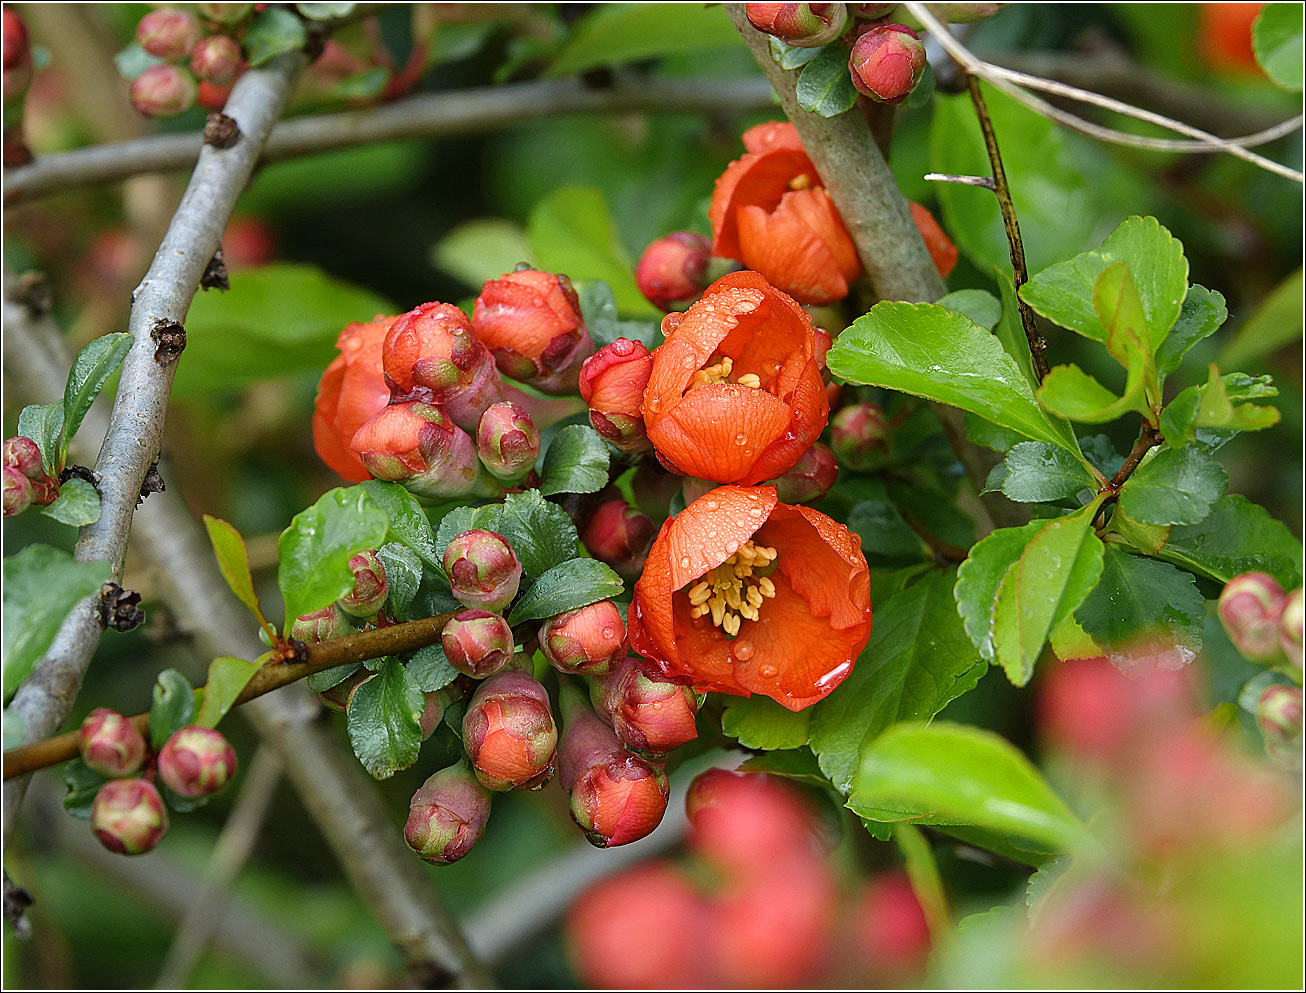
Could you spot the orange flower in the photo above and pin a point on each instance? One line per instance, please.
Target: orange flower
(735, 393)
(744, 594)
(352, 389)
(939, 245)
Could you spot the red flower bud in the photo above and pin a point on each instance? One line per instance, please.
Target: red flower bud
(619, 535)
(1290, 628)
(588, 641)
(163, 91)
(128, 816)
(616, 797)
(748, 823)
(370, 586)
(225, 13)
(110, 743)
(482, 569)
(447, 815)
(216, 60)
(810, 478)
(17, 492)
(648, 711)
(477, 643)
(860, 437)
(1279, 716)
(612, 383)
(168, 33)
(805, 25)
(196, 761)
(938, 244)
(321, 625)
(352, 390)
(532, 323)
(417, 445)
(24, 454)
(886, 62)
(509, 733)
(431, 354)
(1250, 607)
(890, 932)
(507, 442)
(673, 269)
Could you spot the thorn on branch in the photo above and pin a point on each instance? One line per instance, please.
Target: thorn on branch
(170, 339)
(215, 275)
(946, 177)
(80, 472)
(152, 483)
(221, 131)
(16, 902)
(118, 608)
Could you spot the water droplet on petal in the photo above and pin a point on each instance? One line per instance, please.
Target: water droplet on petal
(712, 505)
(743, 650)
(767, 671)
(684, 562)
(755, 512)
(609, 632)
(739, 439)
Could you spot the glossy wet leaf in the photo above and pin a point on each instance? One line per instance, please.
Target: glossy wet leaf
(576, 462)
(540, 533)
(1175, 487)
(77, 504)
(1237, 536)
(43, 424)
(573, 584)
(790, 56)
(172, 706)
(91, 368)
(408, 523)
(403, 576)
(429, 669)
(274, 32)
(979, 577)
(1202, 314)
(980, 306)
(760, 722)
(1036, 472)
(315, 550)
(384, 721)
(824, 86)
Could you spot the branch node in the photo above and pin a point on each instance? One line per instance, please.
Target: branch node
(80, 472)
(215, 275)
(170, 337)
(118, 608)
(221, 131)
(16, 902)
(152, 483)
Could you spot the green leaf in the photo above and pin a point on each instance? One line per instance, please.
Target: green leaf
(1070, 392)
(1148, 538)
(928, 351)
(953, 775)
(1237, 536)
(1058, 568)
(982, 432)
(408, 524)
(918, 660)
(1036, 472)
(923, 871)
(576, 462)
(1010, 328)
(403, 574)
(83, 783)
(41, 585)
(979, 577)
(1202, 314)
(980, 306)
(173, 706)
(1277, 41)
(384, 721)
(77, 504)
(760, 722)
(540, 533)
(1273, 324)
(91, 368)
(571, 231)
(1064, 293)
(429, 669)
(1116, 300)
(315, 550)
(1175, 487)
(320, 682)
(792, 763)
(599, 306)
(825, 86)
(617, 33)
(572, 584)
(482, 249)
(228, 677)
(1139, 599)
(274, 32)
(233, 563)
(887, 541)
(276, 320)
(43, 423)
(362, 85)
(1212, 406)
(790, 56)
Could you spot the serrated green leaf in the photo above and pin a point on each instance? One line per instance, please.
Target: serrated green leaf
(91, 368)
(917, 661)
(576, 462)
(384, 721)
(1211, 406)
(43, 424)
(228, 677)
(83, 783)
(1177, 486)
(172, 706)
(928, 351)
(760, 722)
(1069, 392)
(430, 670)
(403, 574)
(315, 550)
(1202, 314)
(233, 563)
(980, 575)
(41, 585)
(790, 56)
(1237, 536)
(1036, 472)
(77, 504)
(320, 682)
(1277, 42)
(408, 524)
(824, 86)
(573, 584)
(540, 533)
(274, 32)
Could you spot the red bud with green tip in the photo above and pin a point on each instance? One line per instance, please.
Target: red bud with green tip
(887, 62)
(1250, 607)
(110, 743)
(482, 569)
(163, 91)
(673, 270)
(216, 60)
(1279, 716)
(620, 536)
(432, 713)
(23, 457)
(168, 33)
(507, 442)
(509, 733)
(588, 641)
(17, 492)
(648, 711)
(196, 761)
(804, 25)
(338, 696)
(225, 13)
(1290, 628)
(321, 625)
(417, 445)
(860, 437)
(447, 815)
(128, 816)
(612, 383)
(477, 643)
(370, 587)
(810, 478)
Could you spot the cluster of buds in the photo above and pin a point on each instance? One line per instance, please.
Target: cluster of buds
(26, 481)
(649, 712)
(1263, 622)
(200, 58)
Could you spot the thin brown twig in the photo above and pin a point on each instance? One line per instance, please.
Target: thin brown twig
(1148, 439)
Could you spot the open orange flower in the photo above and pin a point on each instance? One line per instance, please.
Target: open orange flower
(735, 392)
(744, 594)
(352, 389)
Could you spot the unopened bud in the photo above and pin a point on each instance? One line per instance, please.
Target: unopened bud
(805, 25)
(1290, 628)
(168, 33)
(810, 478)
(216, 60)
(417, 445)
(1250, 607)
(886, 62)
(890, 932)
(17, 492)
(447, 815)
(531, 322)
(213, 98)
(507, 442)
(14, 44)
(588, 641)
(482, 569)
(321, 625)
(968, 13)
(612, 384)
(110, 743)
(870, 11)
(24, 455)
(432, 713)
(337, 697)
(648, 711)
(196, 761)
(163, 91)
(1279, 716)
(860, 437)
(477, 643)
(616, 797)
(509, 733)
(225, 13)
(370, 587)
(673, 270)
(747, 821)
(128, 816)
(620, 536)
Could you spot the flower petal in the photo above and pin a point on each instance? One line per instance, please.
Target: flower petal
(823, 562)
(758, 179)
(772, 135)
(717, 432)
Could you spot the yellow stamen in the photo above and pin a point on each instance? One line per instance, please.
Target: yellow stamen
(708, 375)
(750, 379)
(800, 182)
(732, 592)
